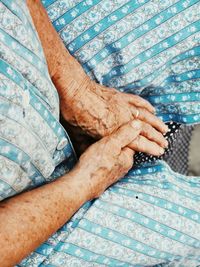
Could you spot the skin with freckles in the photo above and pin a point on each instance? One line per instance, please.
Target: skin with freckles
(116, 148)
(100, 111)
(96, 109)
(27, 220)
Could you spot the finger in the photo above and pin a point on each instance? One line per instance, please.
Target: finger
(152, 134)
(128, 152)
(142, 144)
(140, 102)
(126, 158)
(150, 118)
(127, 133)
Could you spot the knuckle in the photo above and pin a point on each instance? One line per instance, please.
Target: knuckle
(114, 145)
(137, 143)
(120, 161)
(143, 147)
(146, 127)
(125, 162)
(151, 132)
(137, 98)
(129, 162)
(144, 113)
(137, 124)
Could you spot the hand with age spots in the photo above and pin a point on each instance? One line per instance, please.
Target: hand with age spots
(33, 216)
(96, 109)
(109, 159)
(100, 111)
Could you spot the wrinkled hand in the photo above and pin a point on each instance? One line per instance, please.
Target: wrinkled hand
(100, 111)
(111, 158)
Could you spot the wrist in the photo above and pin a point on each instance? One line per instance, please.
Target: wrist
(78, 180)
(72, 87)
(69, 77)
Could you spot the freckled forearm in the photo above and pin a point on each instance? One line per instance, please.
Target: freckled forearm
(27, 220)
(52, 45)
(64, 69)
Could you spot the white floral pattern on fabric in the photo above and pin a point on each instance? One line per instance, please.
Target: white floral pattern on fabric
(151, 48)
(145, 219)
(137, 46)
(30, 133)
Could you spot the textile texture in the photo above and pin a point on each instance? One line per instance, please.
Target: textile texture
(179, 158)
(150, 48)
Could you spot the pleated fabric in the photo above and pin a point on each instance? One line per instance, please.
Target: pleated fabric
(32, 141)
(145, 47)
(151, 48)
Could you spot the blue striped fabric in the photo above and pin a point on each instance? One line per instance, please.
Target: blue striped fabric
(146, 47)
(30, 132)
(150, 48)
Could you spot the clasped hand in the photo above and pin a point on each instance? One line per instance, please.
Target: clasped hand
(110, 115)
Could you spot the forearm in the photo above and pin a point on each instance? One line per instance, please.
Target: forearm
(63, 68)
(27, 220)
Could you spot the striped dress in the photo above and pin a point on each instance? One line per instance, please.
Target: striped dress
(151, 48)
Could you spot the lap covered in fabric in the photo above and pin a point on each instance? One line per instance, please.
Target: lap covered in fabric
(150, 48)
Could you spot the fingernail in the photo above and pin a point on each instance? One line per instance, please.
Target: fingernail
(166, 143)
(161, 151)
(166, 128)
(153, 110)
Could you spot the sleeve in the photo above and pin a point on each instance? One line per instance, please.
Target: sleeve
(13, 178)
(24, 160)
(32, 140)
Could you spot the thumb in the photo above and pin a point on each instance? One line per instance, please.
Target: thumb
(126, 159)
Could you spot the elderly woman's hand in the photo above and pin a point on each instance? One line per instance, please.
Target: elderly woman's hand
(100, 111)
(109, 159)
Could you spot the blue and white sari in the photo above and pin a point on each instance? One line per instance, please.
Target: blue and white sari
(145, 47)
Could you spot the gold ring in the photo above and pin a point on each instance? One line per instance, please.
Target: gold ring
(137, 113)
